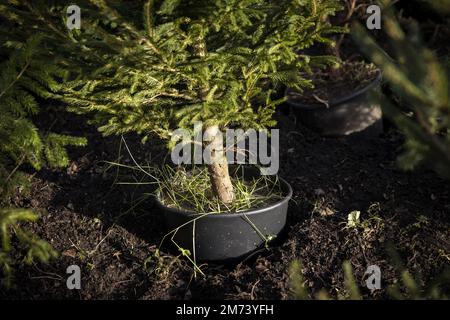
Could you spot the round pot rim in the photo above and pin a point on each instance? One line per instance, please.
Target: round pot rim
(354, 94)
(249, 212)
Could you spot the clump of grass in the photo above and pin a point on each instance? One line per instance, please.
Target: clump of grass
(190, 189)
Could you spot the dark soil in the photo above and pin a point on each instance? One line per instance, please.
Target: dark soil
(332, 85)
(92, 223)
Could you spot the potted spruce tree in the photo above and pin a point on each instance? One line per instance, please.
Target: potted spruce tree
(339, 101)
(174, 64)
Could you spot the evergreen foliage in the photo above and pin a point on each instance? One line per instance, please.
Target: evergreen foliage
(180, 61)
(22, 79)
(35, 248)
(422, 84)
(405, 287)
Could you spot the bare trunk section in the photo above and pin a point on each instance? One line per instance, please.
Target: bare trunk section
(218, 165)
(217, 160)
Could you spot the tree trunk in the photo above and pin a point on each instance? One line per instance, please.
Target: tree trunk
(218, 165)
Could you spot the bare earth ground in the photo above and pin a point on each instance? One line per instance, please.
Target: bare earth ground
(89, 222)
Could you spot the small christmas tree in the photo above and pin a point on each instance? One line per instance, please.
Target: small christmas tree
(180, 62)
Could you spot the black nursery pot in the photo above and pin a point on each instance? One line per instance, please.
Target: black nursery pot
(227, 236)
(351, 114)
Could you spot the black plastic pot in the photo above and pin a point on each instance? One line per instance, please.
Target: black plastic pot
(348, 115)
(227, 236)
